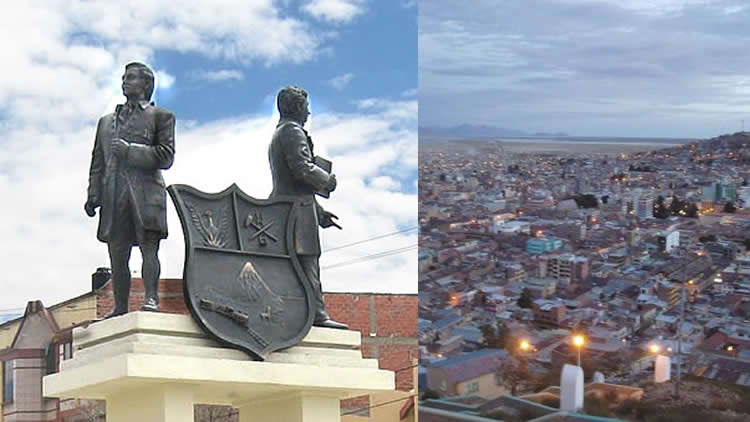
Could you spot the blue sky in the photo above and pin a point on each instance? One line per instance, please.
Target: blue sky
(382, 63)
(218, 70)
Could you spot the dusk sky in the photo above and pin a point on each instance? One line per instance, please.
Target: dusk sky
(661, 68)
(219, 68)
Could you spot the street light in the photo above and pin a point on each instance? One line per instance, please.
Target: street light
(654, 348)
(525, 345)
(578, 341)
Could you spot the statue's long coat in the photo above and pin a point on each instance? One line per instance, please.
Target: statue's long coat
(150, 132)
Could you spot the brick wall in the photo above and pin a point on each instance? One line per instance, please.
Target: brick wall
(171, 299)
(388, 324)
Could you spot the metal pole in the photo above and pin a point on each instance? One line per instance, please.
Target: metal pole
(579, 356)
(679, 343)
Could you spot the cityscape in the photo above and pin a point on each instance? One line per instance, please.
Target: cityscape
(533, 258)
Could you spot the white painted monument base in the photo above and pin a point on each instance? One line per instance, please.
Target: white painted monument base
(662, 369)
(155, 367)
(571, 388)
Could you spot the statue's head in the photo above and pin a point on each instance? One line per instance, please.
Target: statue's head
(292, 103)
(138, 81)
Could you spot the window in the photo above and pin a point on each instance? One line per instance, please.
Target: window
(68, 350)
(52, 358)
(8, 381)
(473, 387)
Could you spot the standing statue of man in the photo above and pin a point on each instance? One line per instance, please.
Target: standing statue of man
(131, 147)
(295, 174)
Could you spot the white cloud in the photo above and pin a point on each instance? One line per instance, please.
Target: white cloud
(334, 10)
(164, 80)
(218, 75)
(61, 82)
(340, 82)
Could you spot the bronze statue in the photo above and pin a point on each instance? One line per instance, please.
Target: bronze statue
(296, 173)
(131, 147)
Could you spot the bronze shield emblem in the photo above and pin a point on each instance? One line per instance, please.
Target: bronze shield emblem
(243, 282)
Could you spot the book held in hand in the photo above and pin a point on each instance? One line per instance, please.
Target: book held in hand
(326, 165)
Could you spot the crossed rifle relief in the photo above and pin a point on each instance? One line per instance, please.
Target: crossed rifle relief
(255, 219)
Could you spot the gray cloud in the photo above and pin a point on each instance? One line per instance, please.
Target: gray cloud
(657, 68)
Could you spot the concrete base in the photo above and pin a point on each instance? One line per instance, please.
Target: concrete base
(662, 369)
(571, 388)
(157, 366)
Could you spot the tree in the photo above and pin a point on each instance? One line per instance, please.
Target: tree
(692, 211)
(660, 210)
(213, 413)
(513, 372)
(707, 238)
(480, 298)
(526, 299)
(675, 206)
(586, 201)
(494, 336)
(92, 411)
(729, 207)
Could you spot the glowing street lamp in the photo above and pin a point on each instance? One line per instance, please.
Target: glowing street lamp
(578, 341)
(655, 349)
(525, 345)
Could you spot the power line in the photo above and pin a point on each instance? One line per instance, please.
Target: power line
(405, 368)
(378, 405)
(370, 239)
(371, 257)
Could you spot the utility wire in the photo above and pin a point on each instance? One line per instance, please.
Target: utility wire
(370, 239)
(371, 257)
(378, 405)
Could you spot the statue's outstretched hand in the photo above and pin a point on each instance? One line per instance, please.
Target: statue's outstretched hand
(90, 207)
(326, 220)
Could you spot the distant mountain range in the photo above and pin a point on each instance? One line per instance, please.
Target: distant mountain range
(8, 317)
(728, 142)
(477, 131)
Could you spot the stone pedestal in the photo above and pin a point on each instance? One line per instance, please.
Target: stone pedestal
(662, 369)
(155, 367)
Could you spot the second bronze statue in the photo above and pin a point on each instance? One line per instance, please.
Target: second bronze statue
(295, 173)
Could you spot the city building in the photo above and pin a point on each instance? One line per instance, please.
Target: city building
(565, 268)
(548, 313)
(468, 374)
(668, 240)
(643, 203)
(540, 245)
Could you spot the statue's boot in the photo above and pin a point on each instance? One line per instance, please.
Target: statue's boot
(150, 305)
(324, 320)
(115, 313)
